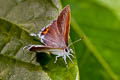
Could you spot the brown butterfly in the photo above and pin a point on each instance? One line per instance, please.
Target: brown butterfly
(55, 37)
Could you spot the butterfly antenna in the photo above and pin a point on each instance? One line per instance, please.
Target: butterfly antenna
(76, 41)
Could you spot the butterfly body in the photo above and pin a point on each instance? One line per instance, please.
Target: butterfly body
(55, 37)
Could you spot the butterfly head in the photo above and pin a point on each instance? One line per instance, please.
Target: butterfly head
(66, 54)
(67, 50)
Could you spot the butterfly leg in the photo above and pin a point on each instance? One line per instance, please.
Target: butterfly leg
(56, 59)
(71, 55)
(64, 57)
(70, 58)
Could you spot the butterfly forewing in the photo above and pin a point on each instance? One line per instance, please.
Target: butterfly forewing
(56, 34)
(63, 23)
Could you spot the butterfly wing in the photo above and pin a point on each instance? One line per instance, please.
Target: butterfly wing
(42, 48)
(56, 34)
(63, 22)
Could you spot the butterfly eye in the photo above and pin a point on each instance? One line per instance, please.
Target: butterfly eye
(66, 50)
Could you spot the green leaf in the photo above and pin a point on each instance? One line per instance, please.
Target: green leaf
(28, 12)
(17, 21)
(98, 53)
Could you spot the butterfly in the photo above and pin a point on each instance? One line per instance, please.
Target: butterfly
(55, 37)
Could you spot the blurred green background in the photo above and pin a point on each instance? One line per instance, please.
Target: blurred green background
(97, 55)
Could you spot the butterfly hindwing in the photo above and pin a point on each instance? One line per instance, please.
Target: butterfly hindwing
(42, 48)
